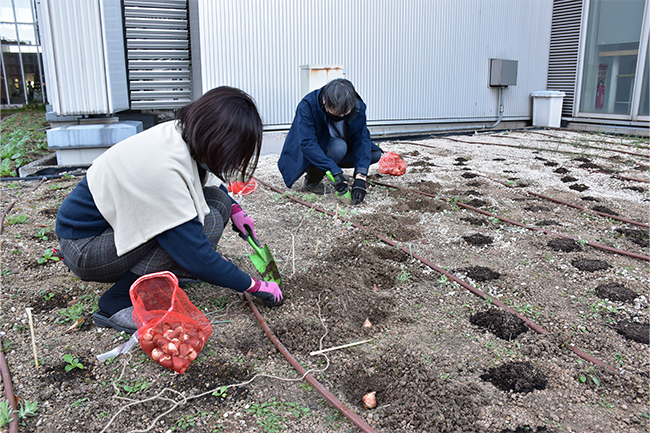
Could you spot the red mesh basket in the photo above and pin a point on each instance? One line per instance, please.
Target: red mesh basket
(172, 330)
(391, 163)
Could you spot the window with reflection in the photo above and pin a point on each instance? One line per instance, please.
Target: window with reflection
(20, 54)
(611, 55)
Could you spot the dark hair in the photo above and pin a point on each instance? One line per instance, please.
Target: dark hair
(339, 96)
(223, 130)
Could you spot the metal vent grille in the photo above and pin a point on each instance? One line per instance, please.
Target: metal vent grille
(563, 58)
(158, 53)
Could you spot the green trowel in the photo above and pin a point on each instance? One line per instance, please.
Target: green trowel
(346, 197)
(262, 259)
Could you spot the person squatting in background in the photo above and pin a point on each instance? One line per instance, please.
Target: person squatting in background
(156, 202)
(328, 133)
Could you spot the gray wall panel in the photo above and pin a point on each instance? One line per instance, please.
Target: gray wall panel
(411, 60)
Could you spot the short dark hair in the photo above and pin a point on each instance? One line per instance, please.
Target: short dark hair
(223, 130)
(339, 96)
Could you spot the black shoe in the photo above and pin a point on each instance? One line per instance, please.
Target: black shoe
(122, 320)
(314, 182)
(317, 188)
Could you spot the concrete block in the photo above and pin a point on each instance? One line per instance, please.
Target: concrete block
(81, 144)
(89, 136)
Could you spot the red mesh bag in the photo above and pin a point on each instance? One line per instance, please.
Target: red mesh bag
(242, 188)
(391, 163)
(172, 330)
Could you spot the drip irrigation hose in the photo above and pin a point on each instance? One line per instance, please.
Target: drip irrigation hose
(301, 370)
(9, 392)
(587, 146)
(449, 275)
(603, 214)
(530, 148)
(537, 229)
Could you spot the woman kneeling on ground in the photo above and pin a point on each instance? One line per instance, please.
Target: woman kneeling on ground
(156, 202)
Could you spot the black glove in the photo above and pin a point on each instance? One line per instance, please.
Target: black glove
(340, 184)
(358, 190)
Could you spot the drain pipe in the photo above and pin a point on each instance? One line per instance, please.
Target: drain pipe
(451, 128)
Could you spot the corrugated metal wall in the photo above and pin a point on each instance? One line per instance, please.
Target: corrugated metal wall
(85, 69)
(565, 45)
(411, 60)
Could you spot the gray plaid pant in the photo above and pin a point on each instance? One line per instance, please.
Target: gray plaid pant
(96, 259)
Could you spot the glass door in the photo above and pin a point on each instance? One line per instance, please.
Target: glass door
(615, 60)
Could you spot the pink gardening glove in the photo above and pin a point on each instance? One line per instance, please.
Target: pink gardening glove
(241, 221)
(268, 291)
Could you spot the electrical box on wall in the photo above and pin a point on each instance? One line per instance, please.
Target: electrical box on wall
(503, 72)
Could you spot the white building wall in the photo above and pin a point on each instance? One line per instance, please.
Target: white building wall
(411, 60)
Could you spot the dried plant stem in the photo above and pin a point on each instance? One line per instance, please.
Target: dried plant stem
(319, 352)
(31, 330)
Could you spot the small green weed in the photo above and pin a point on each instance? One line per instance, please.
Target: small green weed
(137, 386)
(588, 373)
(80, 402)
(72, 362)
(5, 413)
(41, 234)
(17, 219)
(71, 314)
(221, 392)
(272, 415)
(404, 276)
(26, 409)
(48, 255)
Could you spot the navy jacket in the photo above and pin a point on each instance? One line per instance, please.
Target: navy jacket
(307, 140)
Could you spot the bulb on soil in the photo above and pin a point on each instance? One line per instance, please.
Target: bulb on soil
(367, 324)
(369, 400)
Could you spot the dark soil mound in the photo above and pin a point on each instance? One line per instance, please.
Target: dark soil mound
(480, 273)
(472, 193)
(590, 265)
(568, 179)
(469, 175)
(603, 209)
(517, 377)
(561, 170)
(474, 184)
(475, 202)
(589, 198)
(425, 186)
(615, 292)
(635, 189)
(590, 165)
(478, 239)
(504, 325)
(476, 221)
(563, 244)
(639, 332)
(582, 159)
(639, 237)
(551, 164)
(537, 209)
(579, 187)
(527, 429)
(547, 223)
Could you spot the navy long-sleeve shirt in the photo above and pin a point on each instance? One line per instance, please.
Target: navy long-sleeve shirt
(78, 217)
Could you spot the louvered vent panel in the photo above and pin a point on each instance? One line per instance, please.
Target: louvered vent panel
(563, 58)
(158, 53)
